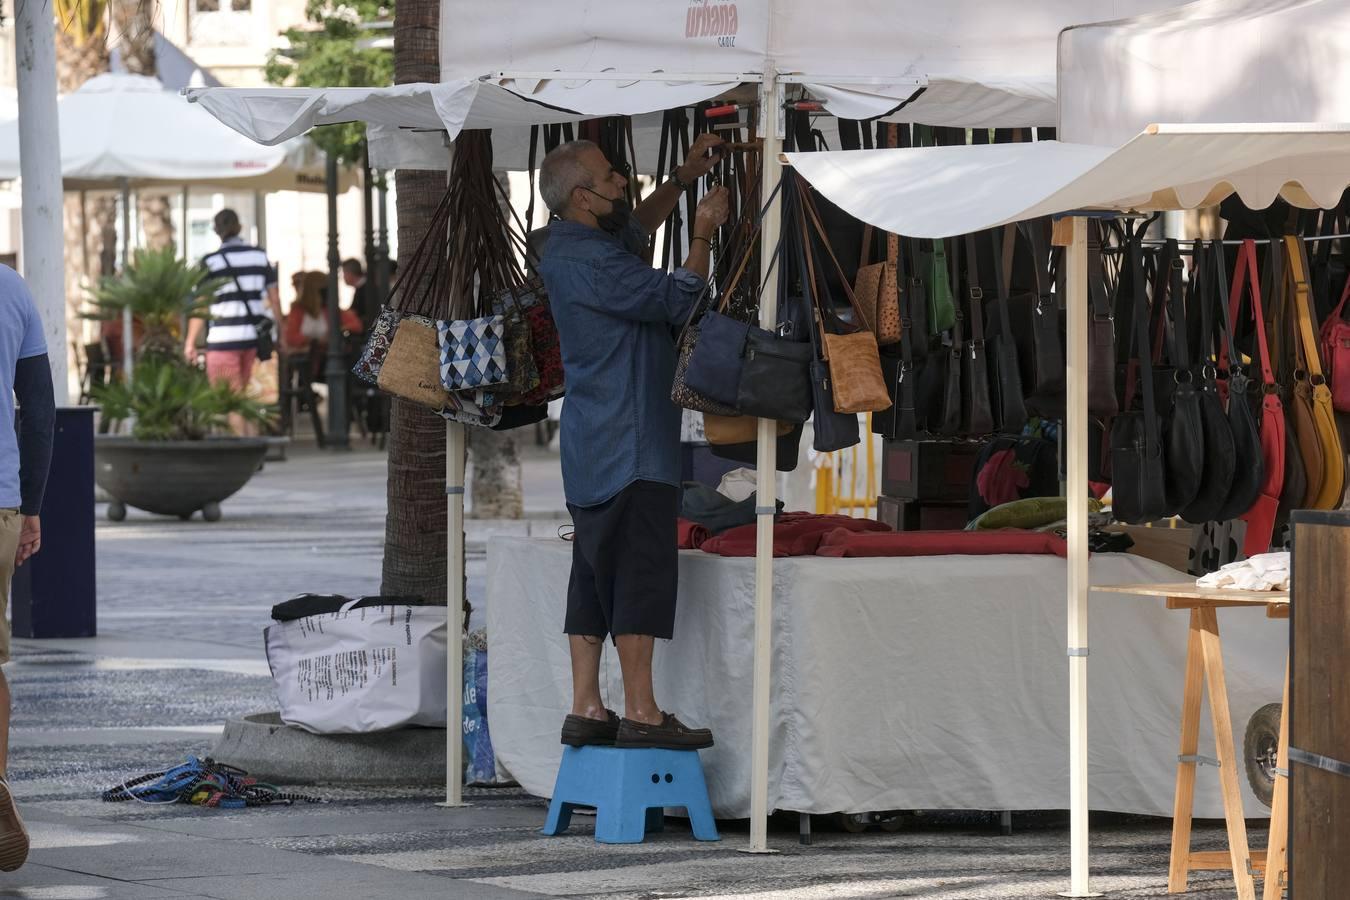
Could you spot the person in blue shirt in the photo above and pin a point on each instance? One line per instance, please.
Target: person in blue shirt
(620, 431)
(25, 457)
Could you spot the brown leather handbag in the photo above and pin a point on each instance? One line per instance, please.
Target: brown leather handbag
(1315, 416)
(722, 430)
(877, 289)
(877, 286)
(851, 350)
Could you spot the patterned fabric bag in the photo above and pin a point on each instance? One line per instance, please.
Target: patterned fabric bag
(367, 368)
(531, 301)
(473, 353)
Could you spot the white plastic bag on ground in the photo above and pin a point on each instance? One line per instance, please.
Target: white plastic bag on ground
(360, 670)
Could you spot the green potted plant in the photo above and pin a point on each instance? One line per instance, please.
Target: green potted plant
(178, 456)
(161, 291)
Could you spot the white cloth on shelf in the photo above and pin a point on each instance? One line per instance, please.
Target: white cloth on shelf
(1263, 572)
(738, 484)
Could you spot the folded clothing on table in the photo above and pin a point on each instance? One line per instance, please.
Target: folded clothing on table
(690, 535)
(1262, 572)
(794, 534)
(941, 543)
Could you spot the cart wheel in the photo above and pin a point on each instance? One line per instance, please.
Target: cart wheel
(854, 823)
(211, 512)
(1260, 751)
(892, 822)
(117, 511)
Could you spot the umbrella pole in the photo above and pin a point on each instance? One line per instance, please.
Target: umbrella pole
(1076, 427)
(128, 341)
(766, 472)
(335, 375)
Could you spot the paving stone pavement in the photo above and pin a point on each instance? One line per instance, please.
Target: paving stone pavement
(181, 612)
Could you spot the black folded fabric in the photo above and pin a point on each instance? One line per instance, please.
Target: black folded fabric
(715, 511)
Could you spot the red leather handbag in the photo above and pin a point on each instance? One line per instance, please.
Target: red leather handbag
(1260, 518)
(1335, 340)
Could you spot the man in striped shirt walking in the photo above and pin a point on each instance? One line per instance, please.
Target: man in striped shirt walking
(246, 304)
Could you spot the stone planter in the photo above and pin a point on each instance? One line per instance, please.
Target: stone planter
(174, 478)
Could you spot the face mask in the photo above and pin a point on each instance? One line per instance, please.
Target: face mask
(617, 218)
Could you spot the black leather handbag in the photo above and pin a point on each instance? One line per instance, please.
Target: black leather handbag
(831, 430)
(1183, 428)
(977, 411)
(1249, 468)
(1009, 407)
(1102, 400)
(1138, 467)
(1216, 476)
(1036, 328)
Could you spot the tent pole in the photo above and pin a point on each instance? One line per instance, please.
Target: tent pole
(766, 471)
(454, 611)
(454, 607)
(128, 340)
(1077, 452)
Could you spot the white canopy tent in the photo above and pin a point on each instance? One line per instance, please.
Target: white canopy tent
(1173, 63)
(960, 63)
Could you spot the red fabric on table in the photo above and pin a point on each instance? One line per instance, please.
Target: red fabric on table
(690, 535)
(942, 543)
(794, 534)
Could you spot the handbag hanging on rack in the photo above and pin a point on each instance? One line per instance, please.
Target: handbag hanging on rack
(1216, 476)
(1102, 400)
(977, 412)
(877, 286)
(1275, 287)
(1311, 392)
(1335, 341)
(1036, 327)
(1248, 461)
(851, 350)
(1183, 427)
(1009, 406)
(832, 430)
(1260, 517)
(1138, 469)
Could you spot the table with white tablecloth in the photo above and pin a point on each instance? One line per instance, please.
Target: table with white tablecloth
(912, 683)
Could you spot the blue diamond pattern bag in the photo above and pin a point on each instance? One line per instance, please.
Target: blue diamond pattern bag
(473, 353)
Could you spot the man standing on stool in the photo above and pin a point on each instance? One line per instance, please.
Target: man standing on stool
(620, 431)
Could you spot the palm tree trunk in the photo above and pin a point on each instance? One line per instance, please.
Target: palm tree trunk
(416, 524)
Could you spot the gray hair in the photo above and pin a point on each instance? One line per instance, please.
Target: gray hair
(562, 172)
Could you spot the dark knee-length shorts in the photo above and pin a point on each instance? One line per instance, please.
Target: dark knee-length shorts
(625, 564)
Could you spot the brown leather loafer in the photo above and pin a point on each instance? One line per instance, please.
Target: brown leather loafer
(580, 731)
(13, 835)
(671, 734)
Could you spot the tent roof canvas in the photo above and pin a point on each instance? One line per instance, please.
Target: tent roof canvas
(1193, 69)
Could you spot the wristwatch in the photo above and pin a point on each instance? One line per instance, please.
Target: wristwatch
(681, 183)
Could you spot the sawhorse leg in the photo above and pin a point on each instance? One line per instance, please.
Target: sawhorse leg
(1277, 847)
(1204, 667)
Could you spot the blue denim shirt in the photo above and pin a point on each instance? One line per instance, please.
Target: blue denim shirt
(615, 315)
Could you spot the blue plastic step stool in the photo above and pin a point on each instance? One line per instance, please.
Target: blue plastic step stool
(630, 790)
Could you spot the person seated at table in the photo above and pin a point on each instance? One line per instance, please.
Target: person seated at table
(620, 432)
(307, 321)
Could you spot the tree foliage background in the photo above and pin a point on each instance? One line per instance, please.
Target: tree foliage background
(335, 50)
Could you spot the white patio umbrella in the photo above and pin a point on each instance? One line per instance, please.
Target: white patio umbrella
(127, 131)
